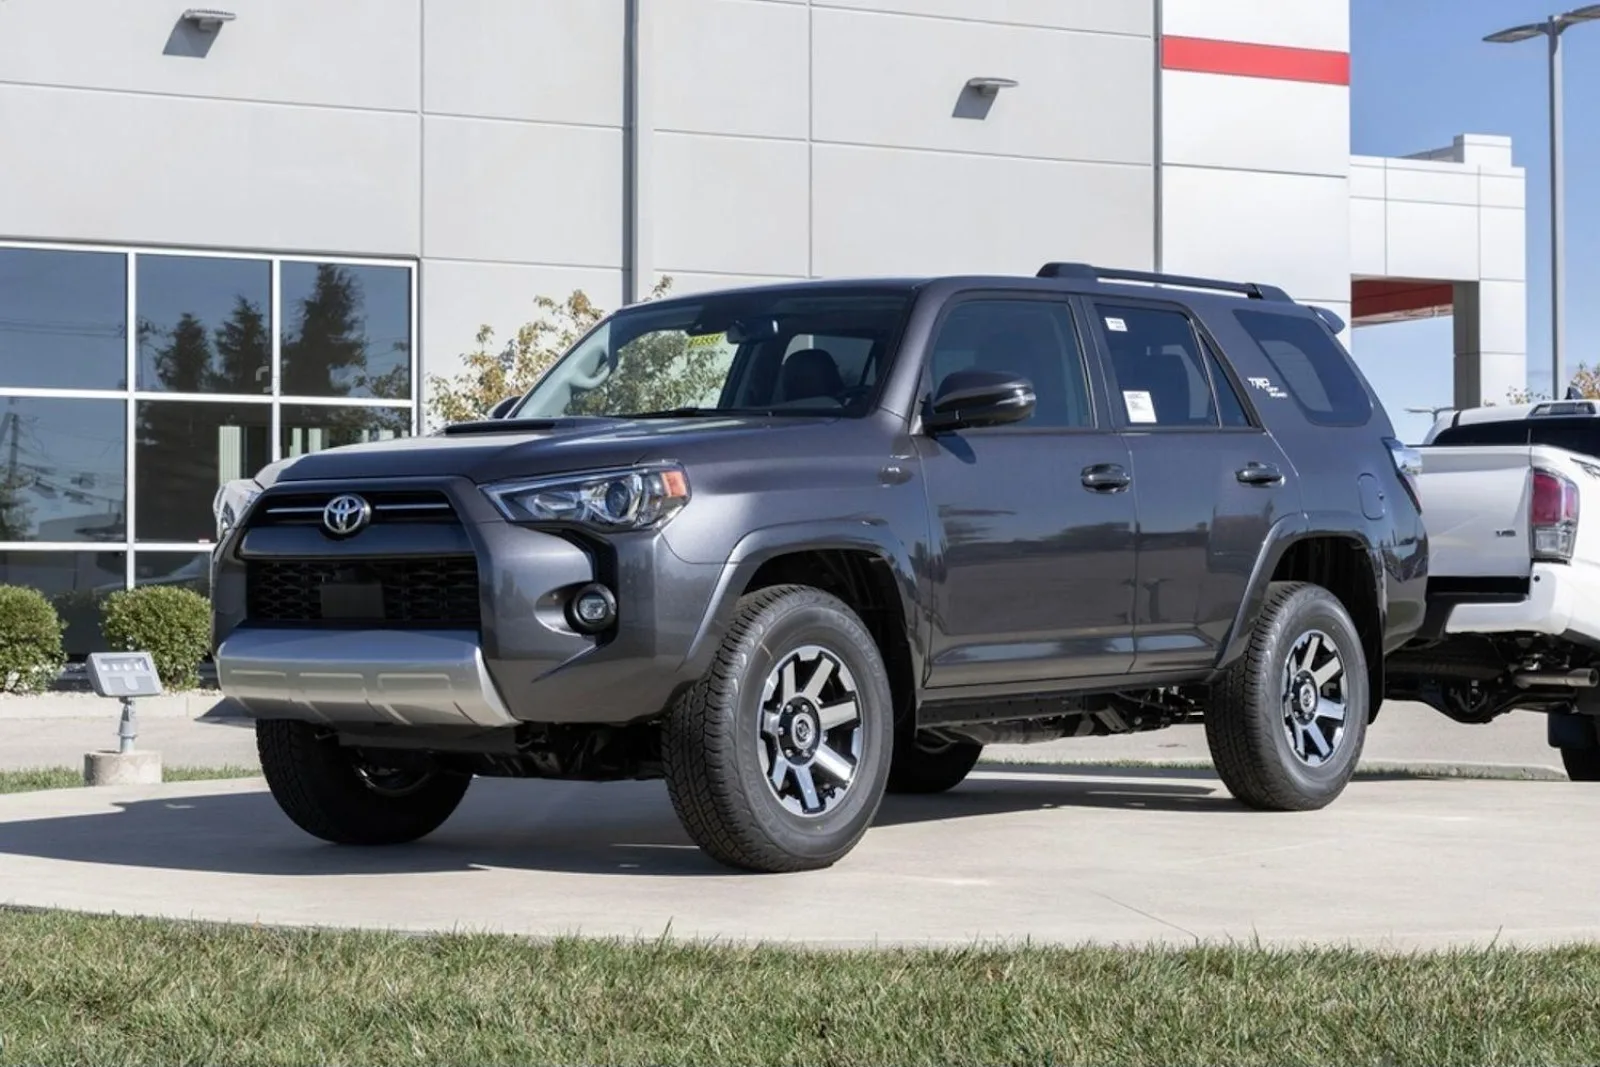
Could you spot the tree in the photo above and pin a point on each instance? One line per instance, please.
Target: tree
(490, 374)
(184, 365)
(330, 343)
(1585, 383)
(244, 350)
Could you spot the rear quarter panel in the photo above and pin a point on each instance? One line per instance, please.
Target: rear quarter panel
(1332, 462)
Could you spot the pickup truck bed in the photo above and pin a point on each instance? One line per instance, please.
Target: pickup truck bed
(1514, 583)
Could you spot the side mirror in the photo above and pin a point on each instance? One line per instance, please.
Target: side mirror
(502, 409)
(969, 398)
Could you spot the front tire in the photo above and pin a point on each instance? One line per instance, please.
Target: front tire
(776, 760)
(327, 792)
(1287, 723)
(1582, 764)
(921, 767)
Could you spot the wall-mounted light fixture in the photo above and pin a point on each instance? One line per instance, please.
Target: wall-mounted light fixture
(990, 86)
(208, 20)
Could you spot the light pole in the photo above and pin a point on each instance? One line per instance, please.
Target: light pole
(1551, 29)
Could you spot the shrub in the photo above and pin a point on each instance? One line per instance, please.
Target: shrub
(30, 641)
(171, 623)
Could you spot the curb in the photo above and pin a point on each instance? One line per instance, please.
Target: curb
(1379, 769)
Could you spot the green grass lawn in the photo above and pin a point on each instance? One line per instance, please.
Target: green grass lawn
(77, 989)
(67, 777)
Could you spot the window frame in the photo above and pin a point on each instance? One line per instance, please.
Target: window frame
(1093, 373)
(1203, 340)
(132, 396)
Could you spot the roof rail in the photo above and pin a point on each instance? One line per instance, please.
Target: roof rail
(1089, 272)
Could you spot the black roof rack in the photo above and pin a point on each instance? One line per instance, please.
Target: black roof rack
(1089, 272)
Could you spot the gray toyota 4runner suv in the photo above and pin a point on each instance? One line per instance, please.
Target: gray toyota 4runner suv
(791, 547)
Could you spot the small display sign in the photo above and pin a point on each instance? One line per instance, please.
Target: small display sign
(124, 674)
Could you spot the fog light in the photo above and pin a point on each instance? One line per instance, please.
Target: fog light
(592, 609)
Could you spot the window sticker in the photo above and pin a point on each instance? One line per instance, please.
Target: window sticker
(1140, 407)
(1116, 325)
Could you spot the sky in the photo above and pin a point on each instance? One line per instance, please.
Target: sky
(1420, 74)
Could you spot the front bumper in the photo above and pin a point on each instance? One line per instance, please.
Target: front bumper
(520, 662)
(409, 678)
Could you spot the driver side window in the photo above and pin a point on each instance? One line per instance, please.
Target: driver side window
(1033, 339)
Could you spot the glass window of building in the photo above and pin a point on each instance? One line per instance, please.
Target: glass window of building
(134, 382)
(63, 319)
(205, 324)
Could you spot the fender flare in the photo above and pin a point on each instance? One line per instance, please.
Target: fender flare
(769, 542)
(1283, 535)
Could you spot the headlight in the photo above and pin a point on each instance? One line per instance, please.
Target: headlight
(229, 505)
(633, 499)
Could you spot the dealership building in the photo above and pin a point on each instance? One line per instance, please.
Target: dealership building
(232, 235)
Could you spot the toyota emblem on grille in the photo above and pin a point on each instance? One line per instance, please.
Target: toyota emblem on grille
(346, 515)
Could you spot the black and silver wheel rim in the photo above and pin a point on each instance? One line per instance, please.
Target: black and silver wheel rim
(1315, 698)
(811, 734)
(391, 781)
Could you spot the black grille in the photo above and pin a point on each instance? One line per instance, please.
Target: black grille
(426, 591)
(388, 506)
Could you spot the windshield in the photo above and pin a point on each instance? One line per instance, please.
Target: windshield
(815, 352)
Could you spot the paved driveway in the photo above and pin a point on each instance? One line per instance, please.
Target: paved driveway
(1161, 856)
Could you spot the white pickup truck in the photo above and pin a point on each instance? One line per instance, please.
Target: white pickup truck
(1513, 573)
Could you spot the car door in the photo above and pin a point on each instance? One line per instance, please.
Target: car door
(1210, 480)
(1032, 522)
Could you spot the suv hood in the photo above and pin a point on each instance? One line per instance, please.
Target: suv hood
(522, 448)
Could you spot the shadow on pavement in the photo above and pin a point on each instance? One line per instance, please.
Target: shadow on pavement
(626, 828)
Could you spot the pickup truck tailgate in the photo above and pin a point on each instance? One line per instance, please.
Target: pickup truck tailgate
(1475, 505)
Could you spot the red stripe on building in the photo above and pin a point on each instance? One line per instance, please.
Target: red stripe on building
(1205, 56)
(1393, 300)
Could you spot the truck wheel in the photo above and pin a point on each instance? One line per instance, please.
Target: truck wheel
(776, 759)
(926, 766)
(1582, 764)
(330, 794)
(1287, 722)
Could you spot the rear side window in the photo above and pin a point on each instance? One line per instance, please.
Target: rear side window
(1312, 367)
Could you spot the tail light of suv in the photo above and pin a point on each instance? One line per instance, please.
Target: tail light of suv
(1408, 462)
(1553, 516)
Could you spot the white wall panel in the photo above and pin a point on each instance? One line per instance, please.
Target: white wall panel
(1432, 183)
(725, 204)
(896, 80)
(1503, 322)
(1369, 237)
(733, 66)
(168, 170)
(344, 53)
(522, 193)
(456, 299)
(1503, 243)
(1288, 230)
(1433, 240)
(1105, 16)
(547, 60)
(1322, 24)
(884, 211)
(1503, 190)
(1367, 175)
(1255, 124)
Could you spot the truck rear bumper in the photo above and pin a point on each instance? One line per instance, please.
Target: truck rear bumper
(412, 678)
(1563, 601)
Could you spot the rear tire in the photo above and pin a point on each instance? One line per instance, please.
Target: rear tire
(1287, 723)
(776, 759)
(920, 769)
(1582, 764)
(328, 793)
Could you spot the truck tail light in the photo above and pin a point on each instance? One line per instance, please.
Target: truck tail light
(1408, 461)
(1553, 516)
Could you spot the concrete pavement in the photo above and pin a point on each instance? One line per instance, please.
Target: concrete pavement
(1159, 856)
(60, 731)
